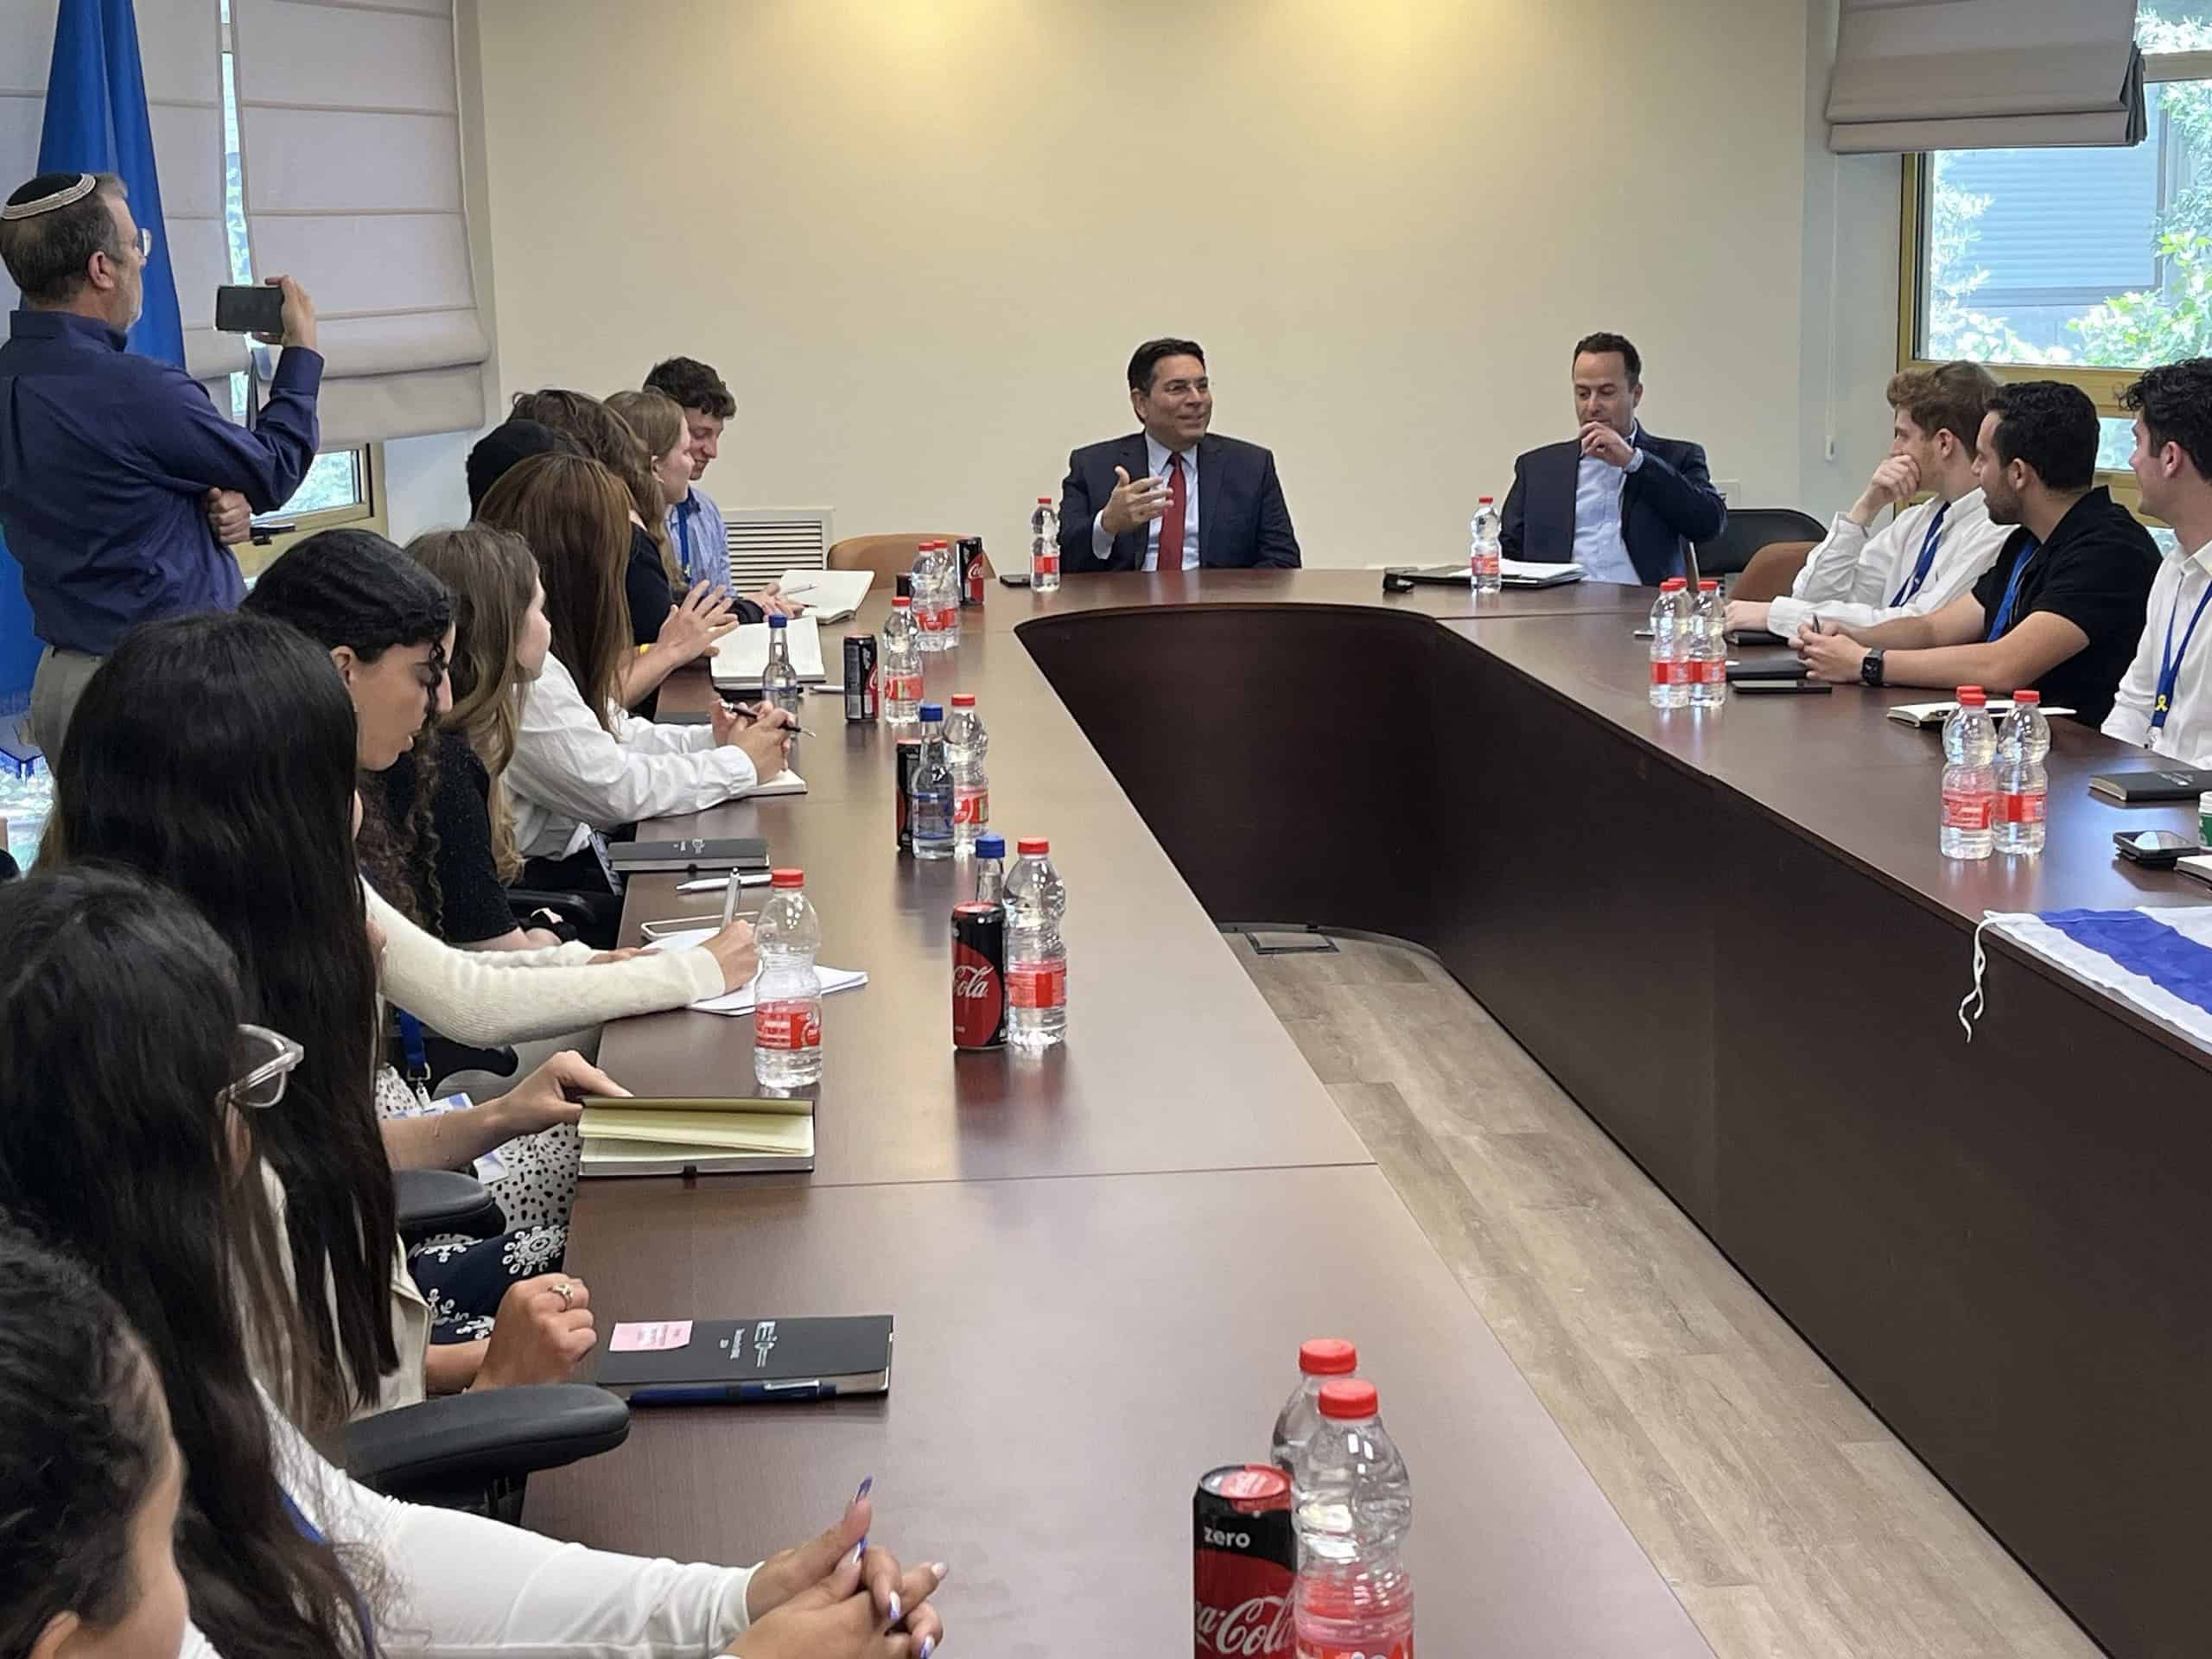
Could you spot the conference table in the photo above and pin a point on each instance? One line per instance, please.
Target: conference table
(1727, 934)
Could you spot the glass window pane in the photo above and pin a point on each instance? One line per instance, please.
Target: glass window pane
(334, 482)
(2115, 442)
(2091, 257)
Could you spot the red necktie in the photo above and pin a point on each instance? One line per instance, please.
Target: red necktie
(1171, 527)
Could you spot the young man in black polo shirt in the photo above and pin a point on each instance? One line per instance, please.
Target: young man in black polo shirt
(2062, 608)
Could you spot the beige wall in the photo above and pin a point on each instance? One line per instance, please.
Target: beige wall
(920, 237)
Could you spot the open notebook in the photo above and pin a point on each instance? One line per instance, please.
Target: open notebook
(712, 1137)
(829, 595)
(739, 658)
(1935, 713)
(740, 1001)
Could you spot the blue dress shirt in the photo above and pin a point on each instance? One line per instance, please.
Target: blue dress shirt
(1599, 547)
(701, 542)
(105, 457)
(1156, 454)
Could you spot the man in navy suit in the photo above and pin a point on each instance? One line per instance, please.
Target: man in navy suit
(1173, 497)
(1615, 499)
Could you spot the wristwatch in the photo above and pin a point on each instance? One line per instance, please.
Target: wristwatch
(1869, 668)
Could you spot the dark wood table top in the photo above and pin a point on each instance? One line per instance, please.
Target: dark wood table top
(1070, 1355)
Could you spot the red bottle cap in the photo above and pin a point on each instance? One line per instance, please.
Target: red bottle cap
(1973, 696)
(1674, 584)
(1035, 846)
(1327, 1357)
(781, 879)
(1348, 1401)
(902, 599)
(1707, 585)
(1043, 500)
(2027, 696)
(963, 699)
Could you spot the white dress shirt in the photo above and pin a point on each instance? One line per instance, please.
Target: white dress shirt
(1599, 547)
(2183, 582)
(1857, 575)
(462, 1585)
(571, 775)
(1156, 454)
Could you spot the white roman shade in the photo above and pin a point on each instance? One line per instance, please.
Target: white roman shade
(349, 130)
(1984, 74)
(179, 48)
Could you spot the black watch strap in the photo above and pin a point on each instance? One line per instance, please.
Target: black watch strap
(1870, 669)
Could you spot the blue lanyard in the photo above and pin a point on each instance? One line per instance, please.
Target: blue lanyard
(1912, 583)
(414, 1051)
(309, 1531)
(2013, 589)
(2170, 664)
(684, 509)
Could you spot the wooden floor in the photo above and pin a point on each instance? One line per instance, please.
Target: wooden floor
(1791, 1522)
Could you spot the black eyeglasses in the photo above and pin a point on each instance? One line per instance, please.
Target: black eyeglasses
(266, 1058)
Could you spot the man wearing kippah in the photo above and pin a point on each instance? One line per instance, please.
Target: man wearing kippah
(121, 487)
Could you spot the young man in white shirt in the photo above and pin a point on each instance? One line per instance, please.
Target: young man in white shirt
(2164, 702)
(1928, 555)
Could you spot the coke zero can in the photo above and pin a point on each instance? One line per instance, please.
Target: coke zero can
(975, 570)
(909, 762)
(860, 690)
(1246, 1557)
(979, 975)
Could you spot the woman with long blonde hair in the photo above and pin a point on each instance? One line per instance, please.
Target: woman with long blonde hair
(667, 631)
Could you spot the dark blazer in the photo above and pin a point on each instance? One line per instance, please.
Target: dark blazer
(1668, 500)
(1242, 519)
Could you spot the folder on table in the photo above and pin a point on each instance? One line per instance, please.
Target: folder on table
(704, 1136)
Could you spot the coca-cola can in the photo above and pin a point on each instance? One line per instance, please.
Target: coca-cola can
(1245, 1559)
(974, 571)
(861, 689)
(909, 762)
(979, 975)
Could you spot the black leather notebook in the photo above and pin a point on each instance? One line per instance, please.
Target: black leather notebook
(2173, 783)
(712, 1362)
(700, 853)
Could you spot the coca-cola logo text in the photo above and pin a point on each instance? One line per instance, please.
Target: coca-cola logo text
(1258, 1626)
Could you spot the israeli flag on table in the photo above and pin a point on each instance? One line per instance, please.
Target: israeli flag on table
(2160, 959)
(96, 122)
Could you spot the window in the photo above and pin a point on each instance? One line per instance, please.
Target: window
(340, 487)
(2084, 266)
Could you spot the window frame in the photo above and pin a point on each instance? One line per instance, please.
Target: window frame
(2103, 385)
(368, 513)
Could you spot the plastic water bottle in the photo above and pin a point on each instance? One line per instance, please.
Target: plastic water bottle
(2023, 785)
(948, 595)
(1485, 560)
(929, 802)
(965, 744)
(928, 599)
(787, 996)
(1036, 954)
(1708, 649)
(901, 670)
(1319, 1362)
(779, 687)
(990, 868)
(1670, 666)
(1969, 784)
(1354, 1594)
(1045, 546)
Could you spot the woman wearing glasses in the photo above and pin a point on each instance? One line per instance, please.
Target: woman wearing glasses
(133, 1454)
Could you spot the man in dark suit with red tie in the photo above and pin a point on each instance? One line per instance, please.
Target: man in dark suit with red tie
(1173, 497)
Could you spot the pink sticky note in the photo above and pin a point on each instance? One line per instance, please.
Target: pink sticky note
(650, 1336)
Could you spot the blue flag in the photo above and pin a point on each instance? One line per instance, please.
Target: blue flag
(96, 122)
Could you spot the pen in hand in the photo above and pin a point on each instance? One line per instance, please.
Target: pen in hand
(729, 899)
(756, 711)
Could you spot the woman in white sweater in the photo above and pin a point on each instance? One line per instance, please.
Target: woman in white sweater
(583, 767)
(144, 1470)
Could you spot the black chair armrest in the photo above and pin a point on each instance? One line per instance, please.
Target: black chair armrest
(448, 1060)
(572, 907)
(464, 1443)
(434, 1201)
